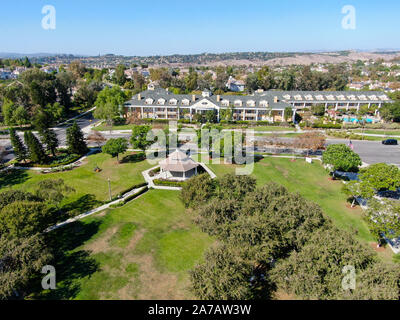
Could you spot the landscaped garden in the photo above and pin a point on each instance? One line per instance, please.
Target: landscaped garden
(145, 249)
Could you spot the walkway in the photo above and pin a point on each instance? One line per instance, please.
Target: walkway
(96, 210)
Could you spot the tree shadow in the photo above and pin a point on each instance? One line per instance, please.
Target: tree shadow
(81, 205)
(132, 158)
(9, 178)
(70, 264)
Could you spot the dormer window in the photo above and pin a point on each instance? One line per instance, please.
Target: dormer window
(319, 97)
(149, 101)
(161, 101)
(251, 103)
(286, 96)
(264, 103)
(330, 97)
(185, 102)
(173, 102)
(297, 97)
(225, 103)
(309, 97)
(238, 103)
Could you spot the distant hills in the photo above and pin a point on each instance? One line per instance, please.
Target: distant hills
(215, 59)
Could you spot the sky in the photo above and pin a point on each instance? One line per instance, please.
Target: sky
(164, 27)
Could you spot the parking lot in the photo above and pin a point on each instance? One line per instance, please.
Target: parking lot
(373, 151)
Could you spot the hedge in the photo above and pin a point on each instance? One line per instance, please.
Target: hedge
(168, 183)
(135, 195)
(139, 185)
(53, 165)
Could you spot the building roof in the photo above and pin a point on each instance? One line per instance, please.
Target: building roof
(178, 161)
(275, 100)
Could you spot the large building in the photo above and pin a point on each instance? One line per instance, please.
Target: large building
(157, 103)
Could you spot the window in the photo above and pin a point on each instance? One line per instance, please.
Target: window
(161, 101)
(149, 101)
(238, 103)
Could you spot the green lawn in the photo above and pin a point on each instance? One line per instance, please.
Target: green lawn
(140, 251)
(379, 131)
(272, 128)
(312, 181)
(89, 186)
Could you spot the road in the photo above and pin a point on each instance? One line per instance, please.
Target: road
(373, 151)
(84, 122)
(370, 151)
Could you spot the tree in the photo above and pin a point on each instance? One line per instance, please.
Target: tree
(197, 191)
(235, 187)
(355, 189)
(383, 218)
(311, 141)
(381, 177)
(24, 219)
(20, 259)
(315, 272)
(119, 75)
(225, 275)
(114, 147)
(109, 104)
(19, 148)
(53, 190)
(11, 196)
(35, 148)
(318, 110)
(42, 120)
(49, 138)
(139, 137)
(96, 137)
(390, 112)
(341, 158)
(75, 140)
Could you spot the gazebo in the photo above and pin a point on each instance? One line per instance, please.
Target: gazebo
(178, 166)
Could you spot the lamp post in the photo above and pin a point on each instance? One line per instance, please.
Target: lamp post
(109, 188)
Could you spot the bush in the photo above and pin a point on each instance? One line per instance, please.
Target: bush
(168, 183)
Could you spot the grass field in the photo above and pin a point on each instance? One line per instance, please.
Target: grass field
(89, 186)
(140, 251)
(144, 249)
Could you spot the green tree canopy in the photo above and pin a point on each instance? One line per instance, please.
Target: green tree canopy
(76, 140)
(139, 137)
(109, 104)
(342, 158)
(114, 147)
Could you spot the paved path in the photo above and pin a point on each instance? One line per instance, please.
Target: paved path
(96, 210)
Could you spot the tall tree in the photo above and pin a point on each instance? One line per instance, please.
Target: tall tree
(76, 140)
(35, 148)
(109, 104)
(49, 138)
(19, 148)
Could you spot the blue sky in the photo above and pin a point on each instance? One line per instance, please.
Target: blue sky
(132, 27)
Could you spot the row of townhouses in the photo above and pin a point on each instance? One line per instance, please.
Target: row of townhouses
(157, 103)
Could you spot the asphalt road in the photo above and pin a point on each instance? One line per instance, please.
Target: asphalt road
(373, 151)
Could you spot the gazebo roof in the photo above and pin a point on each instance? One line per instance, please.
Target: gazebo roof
(178, 161)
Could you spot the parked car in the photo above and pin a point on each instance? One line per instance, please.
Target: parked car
(390, 142)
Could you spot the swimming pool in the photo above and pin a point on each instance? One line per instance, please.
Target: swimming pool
(356, 120)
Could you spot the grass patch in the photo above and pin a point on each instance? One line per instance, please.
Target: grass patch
(142, 250)
(122, 237)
